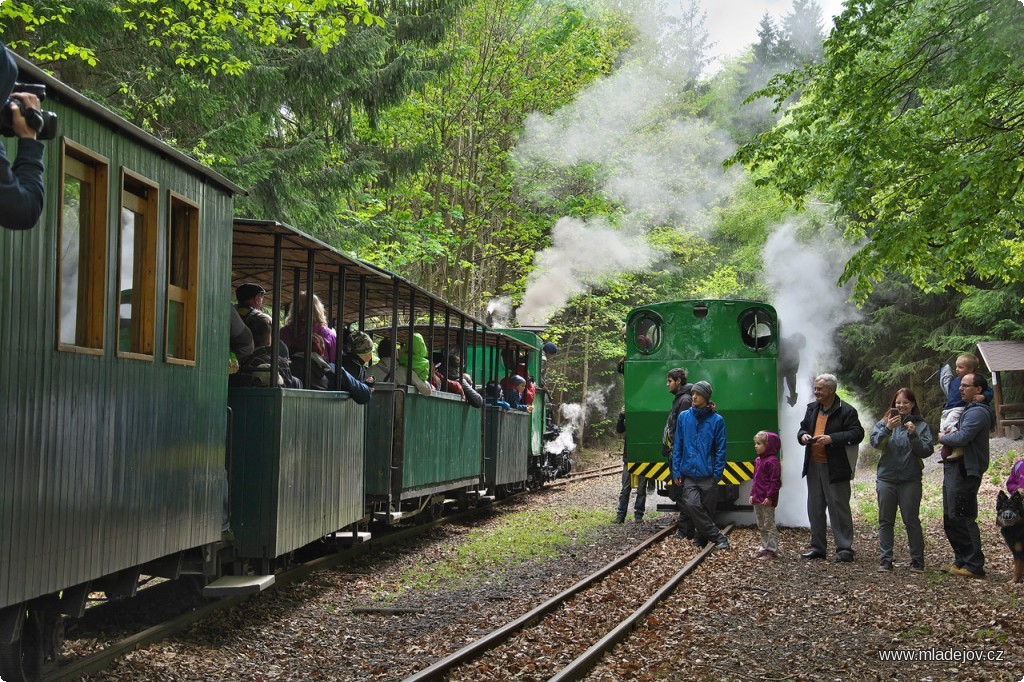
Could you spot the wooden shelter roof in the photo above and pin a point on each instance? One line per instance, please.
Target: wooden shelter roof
(1002, 356)
(253, 261)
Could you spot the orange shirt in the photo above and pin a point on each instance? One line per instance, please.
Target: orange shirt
(818, 449)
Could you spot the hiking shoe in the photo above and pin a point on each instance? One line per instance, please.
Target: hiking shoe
(966, 573)
(765, 554)
(638, 517)
(680, 535)
(721, 542)
(812, 554)
(949, 568)
(917, 567)
(885, 565)
(844, 556)
(620, 518)
(699, 543)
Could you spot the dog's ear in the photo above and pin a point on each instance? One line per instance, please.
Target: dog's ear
(1016, 495)
(1002, 498)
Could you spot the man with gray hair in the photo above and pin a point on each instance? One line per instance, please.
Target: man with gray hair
(828, 428)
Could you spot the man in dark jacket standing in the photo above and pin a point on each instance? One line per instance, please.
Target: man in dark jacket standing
(962, 477)
(676, 384)
(21, 185)
(828, 428)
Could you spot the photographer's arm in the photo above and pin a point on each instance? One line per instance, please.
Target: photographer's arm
(21, 185)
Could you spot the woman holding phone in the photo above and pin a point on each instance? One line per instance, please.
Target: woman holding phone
(905, 440)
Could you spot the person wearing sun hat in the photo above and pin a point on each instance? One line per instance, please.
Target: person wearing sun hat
(698, 461)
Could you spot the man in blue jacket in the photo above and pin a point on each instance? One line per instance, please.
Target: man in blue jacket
(698, 460)
(962, 477)
(21, 185)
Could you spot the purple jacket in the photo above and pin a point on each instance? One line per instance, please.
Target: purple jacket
(768, 473)
(1015, 481)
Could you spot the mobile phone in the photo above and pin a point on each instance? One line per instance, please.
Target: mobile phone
(893, 412)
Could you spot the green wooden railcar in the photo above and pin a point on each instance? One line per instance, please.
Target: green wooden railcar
(112, 369)
(731, 344)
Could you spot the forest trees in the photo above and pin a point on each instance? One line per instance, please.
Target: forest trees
(460, 223)
(282, 123)
(913, 124)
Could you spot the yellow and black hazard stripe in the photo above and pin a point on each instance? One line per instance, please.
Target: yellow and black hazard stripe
(734, 473)
(737, 472)
(659, 471)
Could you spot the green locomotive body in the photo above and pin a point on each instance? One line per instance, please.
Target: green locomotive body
(733, 344)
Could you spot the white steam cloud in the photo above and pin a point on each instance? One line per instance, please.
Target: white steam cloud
(576, 415)
(662, 169)
(802, 275)
(580, 255)
(500, 311)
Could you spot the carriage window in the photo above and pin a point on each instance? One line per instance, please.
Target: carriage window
(82, 260)
(646, 332)
(136, 302)
(756, 328)
(182, 279)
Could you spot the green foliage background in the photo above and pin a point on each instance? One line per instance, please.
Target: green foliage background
(390, 129)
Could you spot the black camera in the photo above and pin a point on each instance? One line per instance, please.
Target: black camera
(42, 121)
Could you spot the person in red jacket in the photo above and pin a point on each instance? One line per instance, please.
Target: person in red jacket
(764, 493)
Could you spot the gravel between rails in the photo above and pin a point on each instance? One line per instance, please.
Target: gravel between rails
(735, 618)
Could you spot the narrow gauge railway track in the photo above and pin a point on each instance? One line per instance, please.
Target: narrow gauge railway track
(102, 659)
(612, 600)
(585, 475)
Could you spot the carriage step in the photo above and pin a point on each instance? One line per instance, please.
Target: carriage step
(238, 584)
(351, 538)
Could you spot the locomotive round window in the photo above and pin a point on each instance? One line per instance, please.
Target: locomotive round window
(756, 328)
(646, 330)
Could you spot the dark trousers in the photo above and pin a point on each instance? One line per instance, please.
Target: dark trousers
(700, 497)
(641, 493)
(683, 523)
(960, 516)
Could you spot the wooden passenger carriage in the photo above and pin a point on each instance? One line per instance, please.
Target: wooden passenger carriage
(112, 372)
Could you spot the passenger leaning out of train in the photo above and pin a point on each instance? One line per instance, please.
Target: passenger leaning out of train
(529, 391)
(514, 396)
(358, 356)
(293, 333)
(21, 185)
(382, 369)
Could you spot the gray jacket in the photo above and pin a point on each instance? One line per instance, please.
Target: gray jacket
(902, 452)
(976, 421)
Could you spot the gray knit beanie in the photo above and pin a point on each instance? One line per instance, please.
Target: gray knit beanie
(702, 387)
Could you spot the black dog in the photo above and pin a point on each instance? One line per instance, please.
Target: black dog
(1010, 519)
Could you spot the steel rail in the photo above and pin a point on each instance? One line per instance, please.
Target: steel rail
(489, 641)
(604, 471)
(100, 660)
(579, 668)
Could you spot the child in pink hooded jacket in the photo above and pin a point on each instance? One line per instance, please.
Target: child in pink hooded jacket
(764, 493)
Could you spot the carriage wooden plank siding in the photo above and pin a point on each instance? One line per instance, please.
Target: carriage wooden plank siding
(95, 428)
